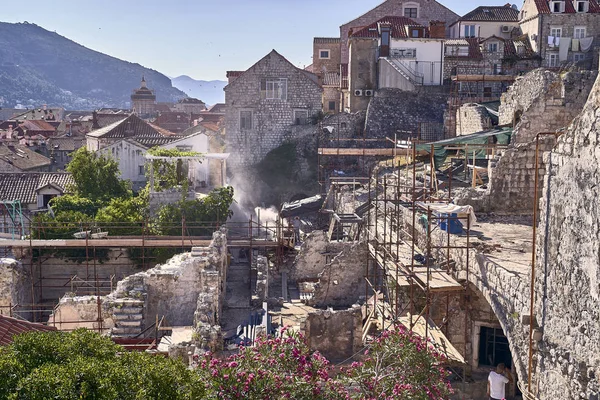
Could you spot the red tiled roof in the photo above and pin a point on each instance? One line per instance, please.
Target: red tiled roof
(474, 49)
(492, 13)
(10, 327)
(217, 108)
(510, 48)
(544, 8)
(210, 126)
(398, 25)
(326, 40)
(22, 185)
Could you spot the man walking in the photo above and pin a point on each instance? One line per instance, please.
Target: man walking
(497, 380)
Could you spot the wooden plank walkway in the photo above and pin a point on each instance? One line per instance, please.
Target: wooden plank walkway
(136, 242)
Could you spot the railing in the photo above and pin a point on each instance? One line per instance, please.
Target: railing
(415, 77)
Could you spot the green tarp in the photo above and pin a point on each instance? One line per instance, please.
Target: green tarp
(440, 152)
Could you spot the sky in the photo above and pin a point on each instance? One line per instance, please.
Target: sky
(199, 38)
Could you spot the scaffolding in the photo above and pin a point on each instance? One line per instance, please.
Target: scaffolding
(86, 257)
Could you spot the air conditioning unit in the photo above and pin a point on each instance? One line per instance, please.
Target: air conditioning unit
(368, 93)
(358, 92)
(505, 28)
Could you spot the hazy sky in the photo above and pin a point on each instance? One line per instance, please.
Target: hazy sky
(199, 38)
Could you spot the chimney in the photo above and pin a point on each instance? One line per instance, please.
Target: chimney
(45, 107)
(95, 120)
(437, 29)
(195, 122)
(10, 132)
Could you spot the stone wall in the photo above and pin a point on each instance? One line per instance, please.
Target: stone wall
(337, 268)
(472, 118)
(270, 118)
(362, 71)
(335, 334)
(567, 268)
(392, 111)
(331, 64)
(15, 286)
(427, 11)
(187, 290)
(542, 101)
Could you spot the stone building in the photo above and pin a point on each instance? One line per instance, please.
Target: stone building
(420, 11)
(486, 21)
(563, 30)
(143, 100)
(327, 66)
(263, 103)
(394, 52)
(189, 105)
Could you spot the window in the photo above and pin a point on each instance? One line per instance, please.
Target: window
(410, 12)
(582, 6)
(332, 106)
(579, 32)
(578, 57)
(556, 31)
(553, 60)
(385, 36)
(487, 91)
(557, 6)
(274, 88)
(469, 31)
(300, 117)
(497, 69)
(492, 47)
(140, 170)
(493, 347)
(246, 120)
(324, 54)
(415, 33)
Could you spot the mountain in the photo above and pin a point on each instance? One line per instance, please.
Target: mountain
(210, 92)
(41, 67)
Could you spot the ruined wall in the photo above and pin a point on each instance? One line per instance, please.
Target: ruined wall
(568, 273)
(15, 286)
(472, 118)
(337, 268)
(394, 110)
(541, 101)
(187, 290)
(335, 334)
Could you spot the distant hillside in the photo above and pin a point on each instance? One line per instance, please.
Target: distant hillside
(210, 92)
(41, 67)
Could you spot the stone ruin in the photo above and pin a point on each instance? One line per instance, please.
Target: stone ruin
(187, 290)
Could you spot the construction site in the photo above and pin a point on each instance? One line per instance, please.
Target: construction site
(461, 240)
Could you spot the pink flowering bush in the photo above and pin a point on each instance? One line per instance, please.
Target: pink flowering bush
(399, 365)
(276, 368)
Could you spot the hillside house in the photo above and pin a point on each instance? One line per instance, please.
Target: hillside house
(486, 21)
(263, 103)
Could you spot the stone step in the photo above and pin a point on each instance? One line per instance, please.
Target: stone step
(118, 331)
(129, 302)
(129, 323)
(129, 317)
(127, 310)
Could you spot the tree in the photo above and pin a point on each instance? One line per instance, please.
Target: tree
(85, 365)
(123, 216)
(399, 365)
(169, 173)
(96, 176)
(200, 215)
(70, 202)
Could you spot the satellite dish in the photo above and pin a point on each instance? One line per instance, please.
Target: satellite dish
(514, 6)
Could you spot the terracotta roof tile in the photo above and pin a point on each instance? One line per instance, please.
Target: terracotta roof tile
(543, 7)
(22, 158)
(10, 327)
(22, 185)
(398, 25)
(326, 40)
(492, 13)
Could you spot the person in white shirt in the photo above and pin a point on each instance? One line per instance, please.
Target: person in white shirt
(497, 380)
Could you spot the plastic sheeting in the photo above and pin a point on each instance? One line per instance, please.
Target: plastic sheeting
(439, 148)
